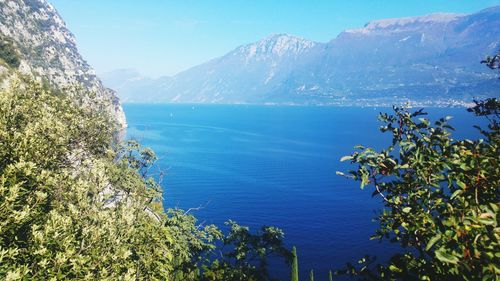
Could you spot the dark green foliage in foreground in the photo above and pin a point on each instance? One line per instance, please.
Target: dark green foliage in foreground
(311, 275)
(8, 52)
(76, 205)
(440, 195)
(246, 255)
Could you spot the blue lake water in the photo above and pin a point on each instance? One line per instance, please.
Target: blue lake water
(273, 165)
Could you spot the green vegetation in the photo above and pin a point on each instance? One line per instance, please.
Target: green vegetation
(294, 276)
(440, 195)
(247, 259)
(8, 53)
(57, 179)
(440, 198)
(311, 275)
(74, 204)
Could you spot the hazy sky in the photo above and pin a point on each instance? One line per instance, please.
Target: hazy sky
(162, 37)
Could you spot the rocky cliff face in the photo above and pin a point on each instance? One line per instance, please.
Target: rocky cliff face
(47, 49)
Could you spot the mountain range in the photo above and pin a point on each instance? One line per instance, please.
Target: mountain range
(429, 60)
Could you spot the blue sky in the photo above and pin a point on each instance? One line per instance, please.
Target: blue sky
(162, 37)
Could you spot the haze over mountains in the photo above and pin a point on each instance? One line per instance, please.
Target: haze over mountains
(430, 60)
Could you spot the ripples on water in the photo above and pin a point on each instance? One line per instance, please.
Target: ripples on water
(268, 165)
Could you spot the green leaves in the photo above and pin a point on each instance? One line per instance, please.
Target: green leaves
(456, 193)
(440, 196)
(461, 184)
(246, 257)
(346, 158)
(67, 209)
(443, 256)
(433, 241)
(76, 205)
(406, 210)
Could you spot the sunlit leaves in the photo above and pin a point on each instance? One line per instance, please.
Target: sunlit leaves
(56, 172)
(440, 196)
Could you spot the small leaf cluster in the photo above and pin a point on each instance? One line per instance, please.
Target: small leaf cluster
(244, 256)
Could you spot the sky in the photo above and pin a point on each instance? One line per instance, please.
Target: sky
(164, 37)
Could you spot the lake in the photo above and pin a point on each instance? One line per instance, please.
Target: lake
(274, 165)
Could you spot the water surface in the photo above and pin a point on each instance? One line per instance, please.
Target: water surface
(273, 165)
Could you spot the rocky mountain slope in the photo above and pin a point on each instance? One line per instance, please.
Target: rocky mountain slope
(47, 49)
(431, 60)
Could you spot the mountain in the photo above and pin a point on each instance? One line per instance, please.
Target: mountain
(129, 82)
(255, 67)
(47, 49)
(432, 60)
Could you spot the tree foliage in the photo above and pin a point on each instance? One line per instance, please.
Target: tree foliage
(247, 256)
(440, 198)
(67, 210)
(8, 52)
(74, 204)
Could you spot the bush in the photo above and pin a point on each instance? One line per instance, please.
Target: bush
(74, 204)
(440, 198)
(57, 179)
(8, 53)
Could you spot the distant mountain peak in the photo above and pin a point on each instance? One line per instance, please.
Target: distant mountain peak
(494, 9)
(431, 60)
(280, 36)
(396, 24)
(276, 45)
(123, 72)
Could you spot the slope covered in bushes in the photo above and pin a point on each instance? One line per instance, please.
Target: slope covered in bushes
(75, 204)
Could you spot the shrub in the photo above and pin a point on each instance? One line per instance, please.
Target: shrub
(8, 52)
(74, 204)
(440, 197)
